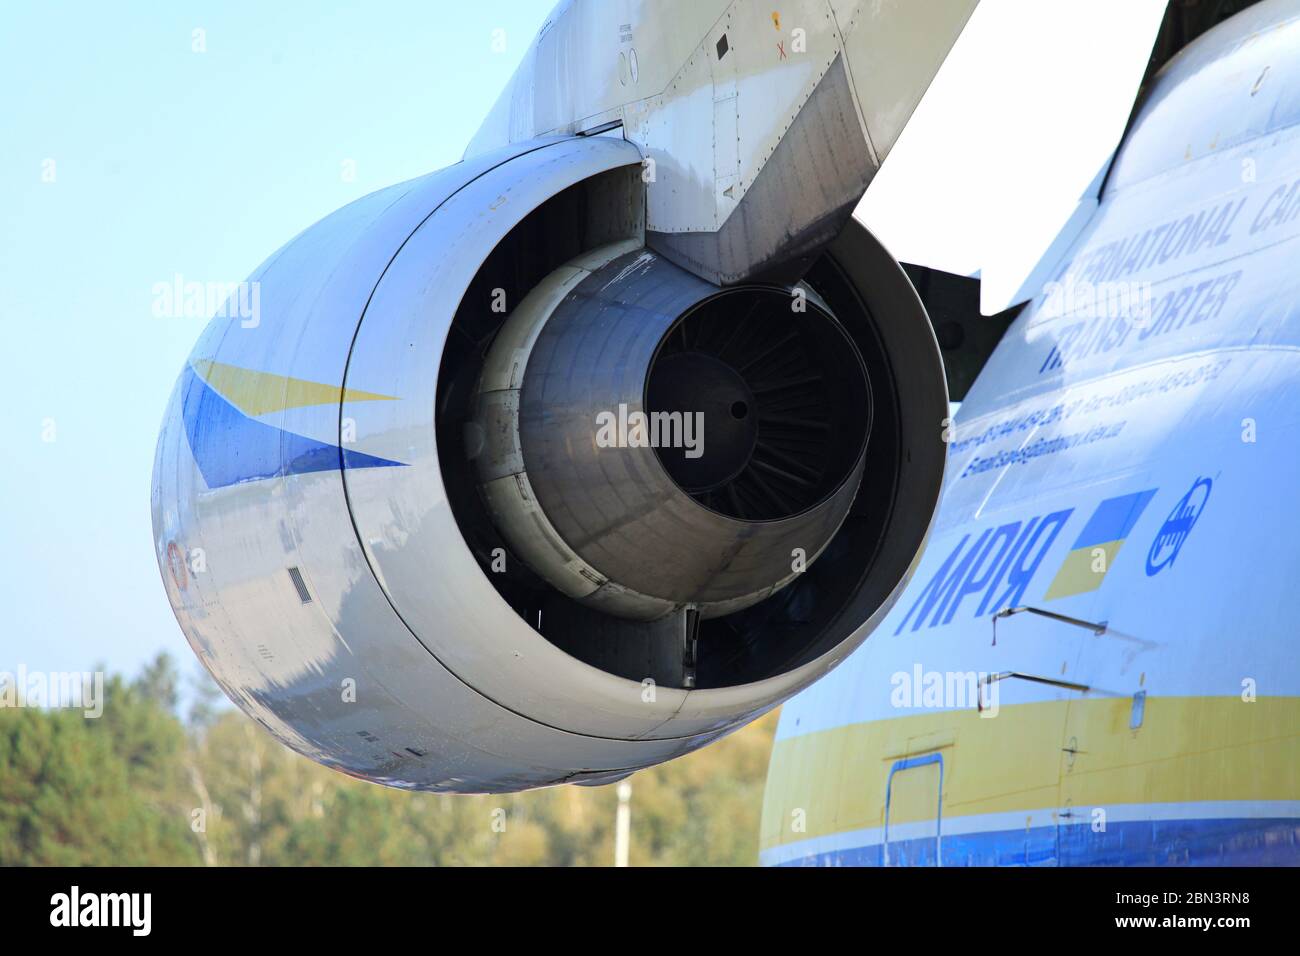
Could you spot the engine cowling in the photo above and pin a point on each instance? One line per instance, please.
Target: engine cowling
(407, 519)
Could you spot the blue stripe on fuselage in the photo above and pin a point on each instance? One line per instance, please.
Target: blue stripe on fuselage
(1224, 842)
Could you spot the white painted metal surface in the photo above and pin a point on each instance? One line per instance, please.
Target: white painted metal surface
(711, 122)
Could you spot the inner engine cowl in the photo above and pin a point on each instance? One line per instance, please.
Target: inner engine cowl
(651, 445)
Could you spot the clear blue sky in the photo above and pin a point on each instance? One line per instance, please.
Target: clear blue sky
(169, 161)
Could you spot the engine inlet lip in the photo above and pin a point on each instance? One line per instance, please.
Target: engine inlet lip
(854, 400)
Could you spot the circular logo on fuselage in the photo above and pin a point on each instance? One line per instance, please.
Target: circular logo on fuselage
(1173, 533)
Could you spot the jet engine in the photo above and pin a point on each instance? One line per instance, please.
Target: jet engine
(489, 494)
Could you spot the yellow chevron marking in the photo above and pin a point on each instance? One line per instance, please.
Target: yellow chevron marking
(260, 393)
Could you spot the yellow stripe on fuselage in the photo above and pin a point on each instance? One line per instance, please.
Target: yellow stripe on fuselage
(1035, 757)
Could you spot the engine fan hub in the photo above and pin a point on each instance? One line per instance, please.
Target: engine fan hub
(720, 397)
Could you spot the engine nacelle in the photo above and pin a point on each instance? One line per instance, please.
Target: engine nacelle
(407, 519)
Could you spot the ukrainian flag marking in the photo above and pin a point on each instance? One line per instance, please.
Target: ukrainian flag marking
(1097, 546)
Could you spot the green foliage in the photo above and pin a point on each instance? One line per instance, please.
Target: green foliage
(107, 791)
(136, 786)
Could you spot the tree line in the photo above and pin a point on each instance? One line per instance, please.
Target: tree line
(143, 785)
